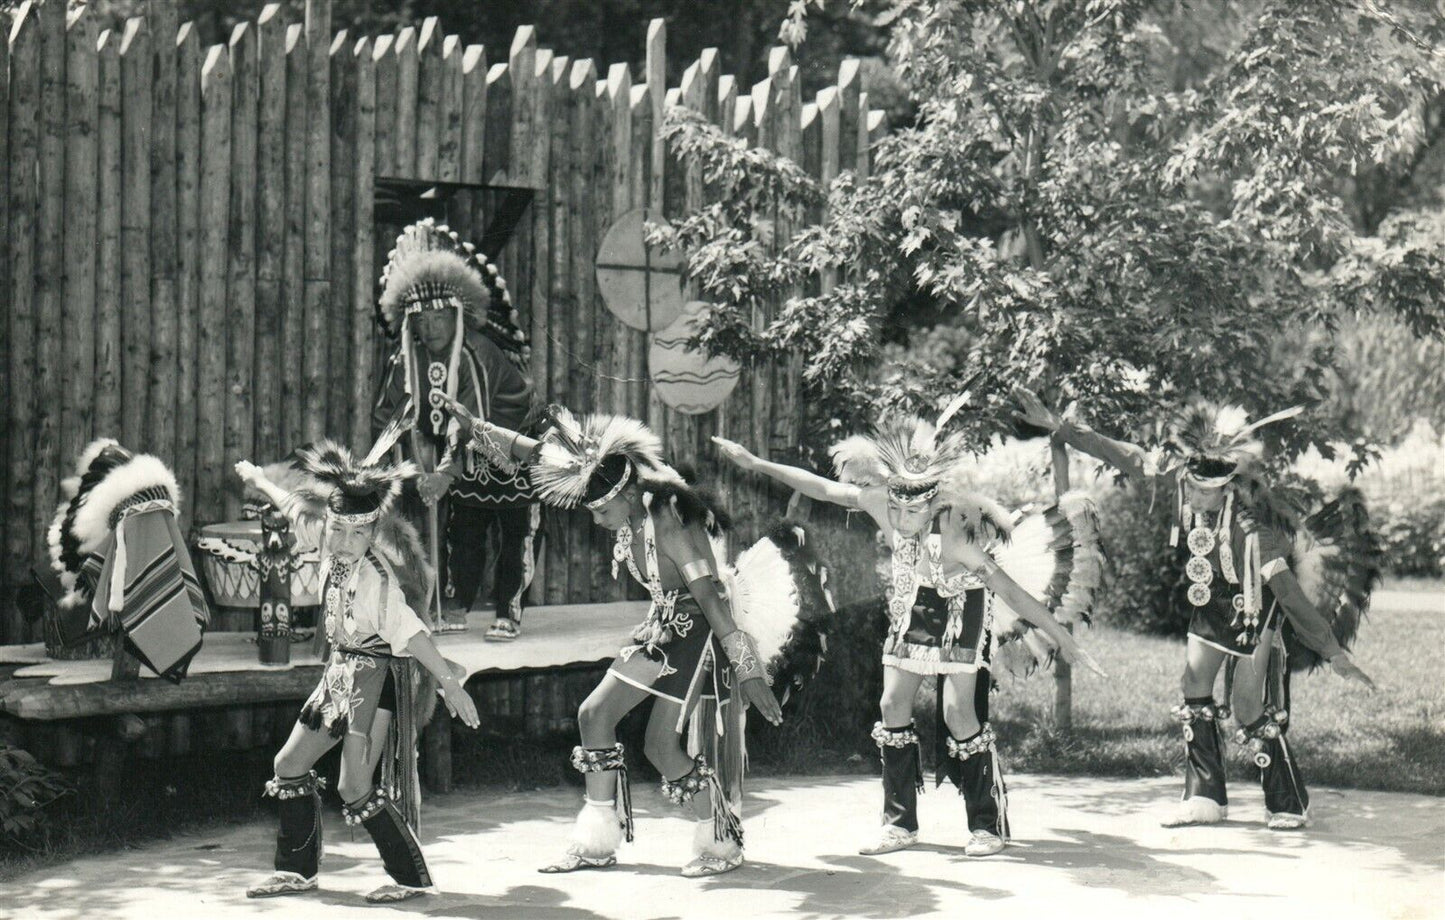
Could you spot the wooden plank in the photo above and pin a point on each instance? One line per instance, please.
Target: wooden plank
(47, 702)
(317, 292)
(763, 116)
(850, 84)
(429, 89)
(49, 379)
(363, 253)
(404, 134)
(21, 203)
(109, 179)
(522, 63)
(161, 389)
(829, 108)
(474, 116)
(82, 102)
(293, 256)
(787, 375)
(552, 317)
(875, 127)
(450, 112)
(606, 153)
(136, 69)
(215, 219)
(270, 240)
(656, 64)
(383, 61)
(342, 237)
(241, 260)
(188, 259)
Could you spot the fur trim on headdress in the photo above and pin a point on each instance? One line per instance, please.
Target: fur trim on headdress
(92, 522)
(334, 465)
(572, 450)
(64, 544)
(909, 455)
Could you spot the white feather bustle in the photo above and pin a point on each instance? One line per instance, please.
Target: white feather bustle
(597, 832)
(764, 598)
(703, 843)
(92, 521)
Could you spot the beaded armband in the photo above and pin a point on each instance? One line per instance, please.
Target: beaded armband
(485, 442)
(742, 651)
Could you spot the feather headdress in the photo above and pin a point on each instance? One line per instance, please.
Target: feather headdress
(908, 455)
(1213, 444)
(573, 450)
(357, 493)
(432, 268)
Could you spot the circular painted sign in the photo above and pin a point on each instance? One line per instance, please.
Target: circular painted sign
(686, 379)
(641, 285)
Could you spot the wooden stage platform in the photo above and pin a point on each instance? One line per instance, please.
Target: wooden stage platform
(70, 713)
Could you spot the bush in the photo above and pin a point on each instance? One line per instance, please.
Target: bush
(1413, 535)
(26, 787)
(1143, 568)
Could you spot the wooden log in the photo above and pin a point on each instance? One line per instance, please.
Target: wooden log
(293, 257)
(215, 219)
(522, 64)
(640, 153)
(5, 346)
(618, 189)
(656, 64)
(238, 728)
(340, 396)
(765, 119)
(189, 57)
(450, 112)
(49, 282)
(317, 293)
(850, 85)
(582, 253)
(829, 106)
(47, 702)
(22, 203)
(407, 75)
(241, 264)
(82, 99)
(552, 318)
(270, 237)
(109, 179)
(363, 250)
(535, 711)
(788, 405)
(429, 89)
(179, 730)
(136, 80)
(534, 104)
(383, 62)
(875, 126)
(161, 387)
(474, 116)
(497, 156)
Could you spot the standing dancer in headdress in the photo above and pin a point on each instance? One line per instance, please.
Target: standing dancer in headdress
(1241, 550)
(950, 595)
(458, 337)
(691, 655)
(371, 696)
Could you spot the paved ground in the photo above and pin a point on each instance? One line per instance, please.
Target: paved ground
(1085, 847)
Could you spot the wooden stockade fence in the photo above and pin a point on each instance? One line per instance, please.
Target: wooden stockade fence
(189, 255)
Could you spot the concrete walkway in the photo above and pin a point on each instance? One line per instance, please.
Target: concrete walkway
(1084, 848)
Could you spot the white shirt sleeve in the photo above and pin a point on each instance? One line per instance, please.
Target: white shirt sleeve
(397, 623)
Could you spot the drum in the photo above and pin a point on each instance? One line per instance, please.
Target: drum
(228, 561)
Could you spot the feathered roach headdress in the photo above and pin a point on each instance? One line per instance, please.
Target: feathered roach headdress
(1213, 444)
(359, 493)
(590, 461)
(908, 455)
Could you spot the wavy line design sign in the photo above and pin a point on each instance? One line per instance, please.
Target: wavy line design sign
(686, 379)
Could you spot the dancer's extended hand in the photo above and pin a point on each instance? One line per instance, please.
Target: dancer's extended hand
(1343, 665)
(760, 696)
(459, 702)
(735, 452)
(1032, 410)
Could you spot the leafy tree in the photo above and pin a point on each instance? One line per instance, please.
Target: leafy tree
(1095, 215)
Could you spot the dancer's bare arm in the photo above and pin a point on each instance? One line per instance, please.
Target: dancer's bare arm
(1127, 458)
(513, 444)
(1309, 624)
(873, 501)
(459, 703)
(688, 549)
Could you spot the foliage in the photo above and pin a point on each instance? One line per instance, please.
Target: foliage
(26, 787)
(1093, 224)
(1413, 537)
